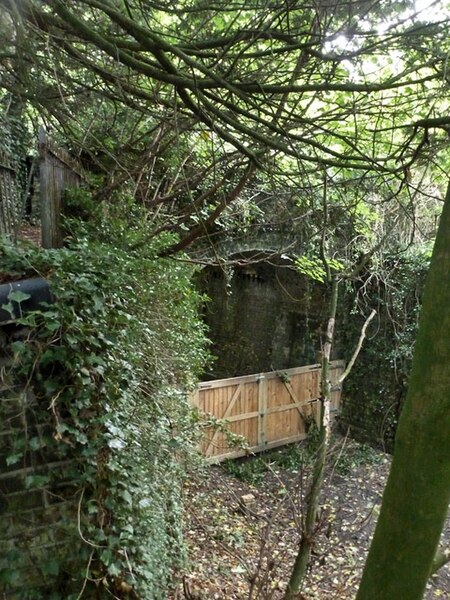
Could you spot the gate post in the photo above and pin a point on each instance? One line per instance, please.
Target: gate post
(262, 410)
(49, 200)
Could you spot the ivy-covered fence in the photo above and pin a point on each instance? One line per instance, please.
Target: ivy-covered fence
(15, 144)
(9, 208)
(97, 424)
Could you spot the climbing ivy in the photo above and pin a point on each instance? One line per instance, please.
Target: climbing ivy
(15, 144)
(110, 364)
(376, 388)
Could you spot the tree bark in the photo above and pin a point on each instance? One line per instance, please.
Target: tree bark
(441, 558)
(417, 493)
(313, 497)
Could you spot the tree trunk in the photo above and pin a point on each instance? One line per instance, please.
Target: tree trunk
(441, 558)
(313, 497)
(417, 493)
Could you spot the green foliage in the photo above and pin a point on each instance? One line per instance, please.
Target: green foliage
(15, 138)
(311, 267)
(14, 145)
(290, 458)
(208, 421)
(376, 387)
(252, 469)
(110, 363)
(295, 457)
(355, 455)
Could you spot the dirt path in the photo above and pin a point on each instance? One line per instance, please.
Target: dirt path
(242, 537)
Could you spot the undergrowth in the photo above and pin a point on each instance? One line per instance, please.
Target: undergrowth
(345, 456)
(351, 455)
(109, 364)
(290, 458)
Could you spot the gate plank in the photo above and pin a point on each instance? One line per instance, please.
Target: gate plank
(226, 414)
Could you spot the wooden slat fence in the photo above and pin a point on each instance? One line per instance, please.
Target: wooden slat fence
(9, 201)
(57, 172)
(267, 409)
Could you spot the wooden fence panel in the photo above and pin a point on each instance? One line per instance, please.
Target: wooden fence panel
(58, 171)
(9, 201)
(268, 409)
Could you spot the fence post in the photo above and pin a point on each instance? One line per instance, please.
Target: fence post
(262, 410)
(50, 199)
(9, 216)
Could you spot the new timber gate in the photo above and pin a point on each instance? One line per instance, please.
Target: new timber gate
(267, 409)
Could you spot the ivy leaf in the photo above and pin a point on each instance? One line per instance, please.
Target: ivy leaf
(8, 308)
(35, 443)
(18, 346)
(127, 497)
(29, 320)
(50, 567)
(18, 296)
(53, 325)
(114, 569)
(13, 459)
(174, 443)
(11, 576)
(36, 481)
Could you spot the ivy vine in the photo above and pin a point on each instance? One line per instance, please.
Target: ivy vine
(109, 366)
(376, 388)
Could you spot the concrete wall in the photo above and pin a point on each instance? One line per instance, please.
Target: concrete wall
(265, 317)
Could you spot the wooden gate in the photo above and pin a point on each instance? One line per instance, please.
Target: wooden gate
(268, 409)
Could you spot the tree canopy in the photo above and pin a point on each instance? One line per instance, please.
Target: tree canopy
(287, 77)
(190, 102)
